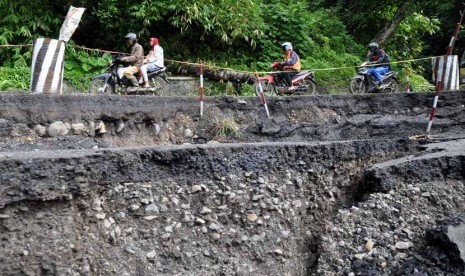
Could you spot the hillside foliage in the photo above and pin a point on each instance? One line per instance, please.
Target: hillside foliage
(330, 36)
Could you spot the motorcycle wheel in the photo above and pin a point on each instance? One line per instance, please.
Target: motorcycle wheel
(309, 87)
(97, 87)
(357, 86)
(267, 87)
(392, 87)
(158, 83)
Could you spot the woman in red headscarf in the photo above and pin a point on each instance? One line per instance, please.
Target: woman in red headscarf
(152, 62)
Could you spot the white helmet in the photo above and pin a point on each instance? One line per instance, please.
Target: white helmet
(132, 36)
(286, 46)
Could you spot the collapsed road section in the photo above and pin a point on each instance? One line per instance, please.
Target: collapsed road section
(145, 120)
(330, 185)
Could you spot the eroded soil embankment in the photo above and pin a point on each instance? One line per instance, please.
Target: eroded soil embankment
(30, 122)
(281, 208)
(189, 210)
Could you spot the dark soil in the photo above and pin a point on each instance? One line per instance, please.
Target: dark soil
(143, 185)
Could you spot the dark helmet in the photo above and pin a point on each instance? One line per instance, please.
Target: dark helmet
(373, 46)
(286, 46)
(132, 36)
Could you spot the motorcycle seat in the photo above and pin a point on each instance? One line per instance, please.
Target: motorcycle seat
(301, 73)
(157, 70)
(388, 74)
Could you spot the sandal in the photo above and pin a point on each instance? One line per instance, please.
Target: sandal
(292, 88)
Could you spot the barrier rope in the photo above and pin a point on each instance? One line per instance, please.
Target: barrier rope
(236, 70)
(16, 45)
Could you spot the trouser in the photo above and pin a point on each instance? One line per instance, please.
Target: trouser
(129, 72)
(378, 72)
(287, 76)
(148, 67)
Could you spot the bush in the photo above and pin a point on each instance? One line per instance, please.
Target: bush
(81, 66)
(15, 78)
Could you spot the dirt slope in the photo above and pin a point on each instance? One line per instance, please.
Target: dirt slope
(139, 185)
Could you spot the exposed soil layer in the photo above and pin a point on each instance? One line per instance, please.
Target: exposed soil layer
(141, 185)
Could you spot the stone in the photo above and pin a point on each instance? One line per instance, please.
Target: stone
(199, 221)
(100, 216)
(205, 210)
(401, 245)
(107, 223)
(214, 227)
(119, 126)
(151, 255)
(297, 203)
(252, 217)
(216, 236)
(134, 207)
(278, 251)
(196, 188)
(188, 133)
(40, 130)
(78, 128)
(152, 208)
(369, 244)
(100, 127)
(149, 218)
(359, 256)
(58, 128)
(91, 129)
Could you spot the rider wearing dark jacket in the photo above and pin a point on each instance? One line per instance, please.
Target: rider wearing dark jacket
(134, 59)
(380, 60)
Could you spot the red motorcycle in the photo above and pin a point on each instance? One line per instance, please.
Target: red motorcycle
(272, 84)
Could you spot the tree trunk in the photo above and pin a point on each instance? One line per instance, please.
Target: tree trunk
(211, 73)
(388, 30)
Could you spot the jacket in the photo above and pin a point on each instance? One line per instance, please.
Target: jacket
(137, 55)
(380, 58)
(291, 61)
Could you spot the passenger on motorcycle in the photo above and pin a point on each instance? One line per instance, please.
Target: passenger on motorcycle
(379, 57)
(152, 62)
(290, 64)
(134, 59)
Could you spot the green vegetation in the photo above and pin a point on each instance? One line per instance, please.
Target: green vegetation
(330, 36)
(225, 126)
(14, 78)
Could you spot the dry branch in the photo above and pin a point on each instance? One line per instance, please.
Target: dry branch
(211, 73)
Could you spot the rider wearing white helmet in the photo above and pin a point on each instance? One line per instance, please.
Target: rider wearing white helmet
(290, 64)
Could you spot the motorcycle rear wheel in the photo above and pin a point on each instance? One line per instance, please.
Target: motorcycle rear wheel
(309, 87)
(392, 87)
(158, 83)
(267, 87)
(97, 87)
(357, 86)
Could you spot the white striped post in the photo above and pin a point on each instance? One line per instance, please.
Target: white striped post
(407, 73)
(262, 95)
(454, 38)
(456, 34)
(201, 88)
(446, 70)
(47, 66)
(435, 103)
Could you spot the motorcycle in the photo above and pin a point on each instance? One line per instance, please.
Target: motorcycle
(110, 82)
(272, 84)
(363, 82)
